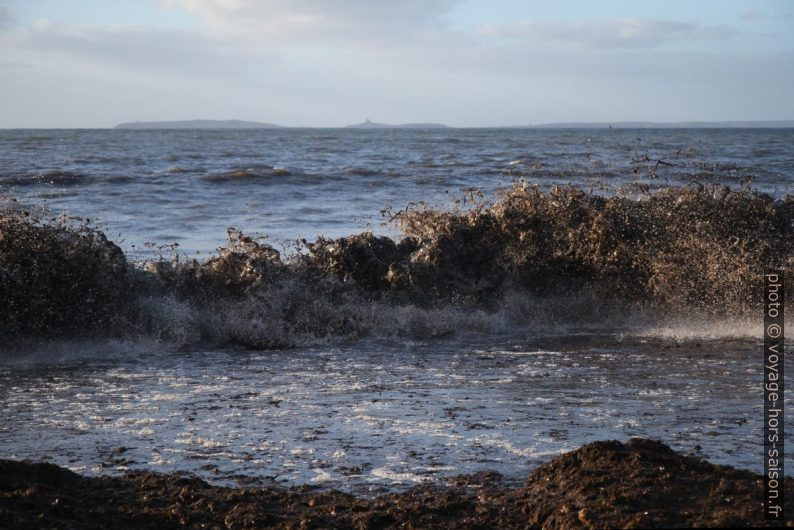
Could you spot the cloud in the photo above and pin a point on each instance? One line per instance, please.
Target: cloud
(243, 36)
(176, 50)
(751, 16)
(313, 20)
(5, 17)
(623, 33)
(262, 39)
(327, 62)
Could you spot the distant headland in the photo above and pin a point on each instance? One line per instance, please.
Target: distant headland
(367, 124)
(241, 124)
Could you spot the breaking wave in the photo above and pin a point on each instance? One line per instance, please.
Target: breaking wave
(554, 261)
(55, 178)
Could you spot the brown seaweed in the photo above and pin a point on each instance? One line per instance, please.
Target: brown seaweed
(637, 484)
(678, 251)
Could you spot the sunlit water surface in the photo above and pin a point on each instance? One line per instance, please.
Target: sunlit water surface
(381, 415)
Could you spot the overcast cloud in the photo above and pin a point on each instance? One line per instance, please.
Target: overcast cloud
(329, 63)
(625, 33)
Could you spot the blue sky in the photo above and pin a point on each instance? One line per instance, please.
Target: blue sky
(90, 63)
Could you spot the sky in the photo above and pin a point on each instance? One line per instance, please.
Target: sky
(466, 63)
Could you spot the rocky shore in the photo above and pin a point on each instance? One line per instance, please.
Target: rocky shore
(637, 484)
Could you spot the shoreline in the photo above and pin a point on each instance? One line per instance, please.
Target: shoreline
(639, 483)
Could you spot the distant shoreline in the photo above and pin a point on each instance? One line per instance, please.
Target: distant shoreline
(374, 126)
(779, 124)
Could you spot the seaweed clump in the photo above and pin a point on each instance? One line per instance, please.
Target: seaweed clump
(59, 277)
(680, 248)
(242, 264)
(677, 252)
(363, 259)
(637, 484)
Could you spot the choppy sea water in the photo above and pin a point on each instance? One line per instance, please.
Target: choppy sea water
(376, 413)
(381, 415)
(189, 186)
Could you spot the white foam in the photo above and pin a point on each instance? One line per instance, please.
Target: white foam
(694, 329)
(419, 412)
(199, 441)
(385, 473)
(321, 477)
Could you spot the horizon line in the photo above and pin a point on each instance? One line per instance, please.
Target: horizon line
(626, 124)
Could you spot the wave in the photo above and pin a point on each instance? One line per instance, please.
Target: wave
(693, 329)
(38, 351)
(539, 261)
(259, 174)
(363, 172)
(53, 178)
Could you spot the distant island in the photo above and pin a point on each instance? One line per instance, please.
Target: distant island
(367, 124)
(375, 125)
(198, 124)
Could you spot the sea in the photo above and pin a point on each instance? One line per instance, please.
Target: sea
(381, 412)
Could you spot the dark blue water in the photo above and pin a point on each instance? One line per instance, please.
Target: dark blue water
(188, 186)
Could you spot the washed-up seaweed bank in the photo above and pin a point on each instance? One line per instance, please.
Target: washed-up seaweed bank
(637, 484)
(531, 257)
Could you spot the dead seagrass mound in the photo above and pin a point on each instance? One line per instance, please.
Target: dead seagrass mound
(59, 275)
(692, 252)
(641, 484)
(637, 484)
